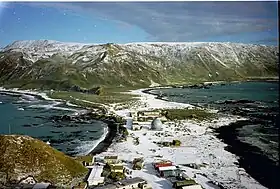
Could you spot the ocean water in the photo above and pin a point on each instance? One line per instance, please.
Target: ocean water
(255, 141)
(266, 92)
(29, 115)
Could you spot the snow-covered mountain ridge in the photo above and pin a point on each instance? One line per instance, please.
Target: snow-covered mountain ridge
(137, 63)
(52, 46)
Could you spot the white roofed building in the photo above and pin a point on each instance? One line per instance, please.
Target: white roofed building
(94, 177)
(169, 171)
(167, 168)
(192, 187)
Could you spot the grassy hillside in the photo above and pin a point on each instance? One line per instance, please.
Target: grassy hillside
(22, 156)
(113, 66)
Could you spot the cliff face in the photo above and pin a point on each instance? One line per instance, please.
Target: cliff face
(23, 156)
(56, 65)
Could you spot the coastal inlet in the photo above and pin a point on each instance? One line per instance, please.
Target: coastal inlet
(256, 140)
(31, 115)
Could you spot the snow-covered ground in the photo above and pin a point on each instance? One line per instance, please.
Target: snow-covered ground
(199, 146)
(149, 102)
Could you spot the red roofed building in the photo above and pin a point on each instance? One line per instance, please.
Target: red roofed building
(162, 164)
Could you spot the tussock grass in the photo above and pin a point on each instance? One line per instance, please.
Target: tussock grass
(109, 96)
(87, 158)
(181, 114)
(31, 156)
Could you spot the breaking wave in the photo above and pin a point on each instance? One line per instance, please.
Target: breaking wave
(88, 146)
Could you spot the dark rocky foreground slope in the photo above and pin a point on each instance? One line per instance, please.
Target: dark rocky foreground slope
(54, 65)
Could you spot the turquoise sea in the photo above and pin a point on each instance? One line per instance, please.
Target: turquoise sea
(256, 140)
(30, 115)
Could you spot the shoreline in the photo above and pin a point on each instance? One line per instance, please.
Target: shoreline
(102, 138)
(106, 142)
(106, 145)
(203, 140)
(246, 152)
(234, 145)
(207, 83)
(99, 147)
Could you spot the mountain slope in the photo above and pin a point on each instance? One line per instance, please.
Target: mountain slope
(57, 65)
(22, 156)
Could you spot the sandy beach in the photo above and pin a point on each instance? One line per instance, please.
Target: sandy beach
(199, 146)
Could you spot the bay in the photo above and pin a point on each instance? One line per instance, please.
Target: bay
(29, 115)
(256, 140)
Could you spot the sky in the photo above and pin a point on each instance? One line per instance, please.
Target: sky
(125, 22)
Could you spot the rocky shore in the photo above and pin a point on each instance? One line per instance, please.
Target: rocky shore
(229, 134)
(113, 122)
(258, 151)
(199, 145)
(116, 131)
(204, 85)
(252, 158)
(254, 140)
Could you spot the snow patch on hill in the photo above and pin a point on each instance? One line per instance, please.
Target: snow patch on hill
(219, 60)
(157, 54)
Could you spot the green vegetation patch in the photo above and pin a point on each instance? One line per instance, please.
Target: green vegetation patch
(23, 156)
(87, 100)
(81, 159)
(117, 176)
(174, 143)
(181, 114)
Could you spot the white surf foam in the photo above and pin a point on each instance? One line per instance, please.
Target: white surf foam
(24, 101)
(28, 101)
(28, 97)
(63, 108)
(46, 106)
(87, 146)
(70, 104)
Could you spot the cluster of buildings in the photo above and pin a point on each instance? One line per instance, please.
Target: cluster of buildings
(96, 180)
(111, 164)
(143, 116)
(132, 183)
(166, 168)
(96, 169)
(154, 117)
(176, 176)
(148, 115)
